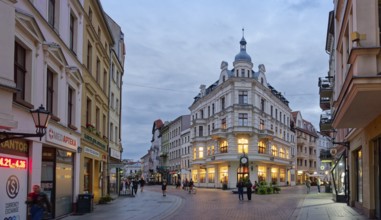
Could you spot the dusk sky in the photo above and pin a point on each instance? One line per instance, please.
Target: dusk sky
(173, 46)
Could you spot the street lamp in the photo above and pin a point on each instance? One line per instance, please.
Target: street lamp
(41, 119)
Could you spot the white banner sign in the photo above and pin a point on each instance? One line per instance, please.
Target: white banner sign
(92, 152)
(114, 153)
(61, 137)
(13, 187)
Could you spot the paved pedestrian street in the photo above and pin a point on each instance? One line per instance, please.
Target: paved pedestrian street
(291, 203)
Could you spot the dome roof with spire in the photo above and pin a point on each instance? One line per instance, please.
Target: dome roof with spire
(242, 55)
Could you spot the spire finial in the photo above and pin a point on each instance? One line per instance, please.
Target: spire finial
(243, 32)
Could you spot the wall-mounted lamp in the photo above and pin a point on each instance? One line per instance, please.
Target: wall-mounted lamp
(79, 149)
(41, 119)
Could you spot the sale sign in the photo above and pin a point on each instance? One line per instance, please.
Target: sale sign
(13, 187)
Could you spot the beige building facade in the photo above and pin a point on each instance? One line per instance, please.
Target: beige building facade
(352, 89)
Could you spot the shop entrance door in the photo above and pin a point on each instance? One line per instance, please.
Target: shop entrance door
(243, 173)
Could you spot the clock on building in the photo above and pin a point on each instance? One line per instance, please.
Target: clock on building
(244, 160)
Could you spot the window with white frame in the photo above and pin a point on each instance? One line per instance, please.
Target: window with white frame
(242, 97)
(243, 146)
(242, 119)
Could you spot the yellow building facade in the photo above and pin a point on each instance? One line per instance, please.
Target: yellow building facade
(95, 101)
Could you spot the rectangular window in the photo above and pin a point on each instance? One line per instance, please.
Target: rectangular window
(243, 146)
(276, 114)
(359, 181)
(105, 80)
(70, 106)
(261, 147)
(98, 71)
(282, 175)
(242, 97)
(116, 134)
(222, 103)
(20, 71)
(200, 131)
(72, 32)
(211, 172)
(194, 154)
(274, 175)
(208, 111)
(261, 174)
(90, 15)
(49, 90)
(242, 119)
(201, 152)
(223, 146)
(213, 109)
(261, 124)
(97, 119)
(112, 101)
(88, 112)
(117, 106)
(51, 12)
(89, 56)
(223, 123)
(111, 132)
(104, 125)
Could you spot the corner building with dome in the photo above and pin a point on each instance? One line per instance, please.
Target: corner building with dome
(240, 128)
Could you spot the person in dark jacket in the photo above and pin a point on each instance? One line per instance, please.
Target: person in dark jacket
(164, 187)
(134, 186)
(249, 186)
(142, 182)
(38, 202)
(240, 186)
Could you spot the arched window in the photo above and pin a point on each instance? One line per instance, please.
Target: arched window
(274, 150)
(261, 147)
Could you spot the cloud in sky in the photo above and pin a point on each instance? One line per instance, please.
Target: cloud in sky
(172, 47)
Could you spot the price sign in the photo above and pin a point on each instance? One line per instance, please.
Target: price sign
(9, 162)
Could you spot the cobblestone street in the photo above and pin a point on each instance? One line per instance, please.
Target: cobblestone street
(291, 203)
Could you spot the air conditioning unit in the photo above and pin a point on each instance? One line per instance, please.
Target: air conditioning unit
(333, 151)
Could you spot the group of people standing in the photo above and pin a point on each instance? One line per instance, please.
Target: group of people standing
(127, 185)
(249, 188)
(308, 185)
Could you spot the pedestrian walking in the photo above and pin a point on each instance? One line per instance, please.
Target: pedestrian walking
(134, 187)
(318, 184)
(164, 187)
(256, 186)
(142, 182)
(240, 186)
(38, 203)
(249, 190)
(190, 185)
(308, 184)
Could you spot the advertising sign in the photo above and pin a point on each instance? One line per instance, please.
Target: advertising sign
(13, 187)
(61, 137)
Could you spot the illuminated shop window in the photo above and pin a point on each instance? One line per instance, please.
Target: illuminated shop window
(261, 173)
(211, 172)
(274, 175)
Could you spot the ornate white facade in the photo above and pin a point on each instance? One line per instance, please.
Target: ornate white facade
(241, 113)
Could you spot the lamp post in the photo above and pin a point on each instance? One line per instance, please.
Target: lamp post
(41, 119)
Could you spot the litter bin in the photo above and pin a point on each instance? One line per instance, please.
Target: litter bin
(85, 203)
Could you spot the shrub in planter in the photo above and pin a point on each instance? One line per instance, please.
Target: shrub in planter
(105, 199)
(276, 189)
(262, 190)
(269, 190)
